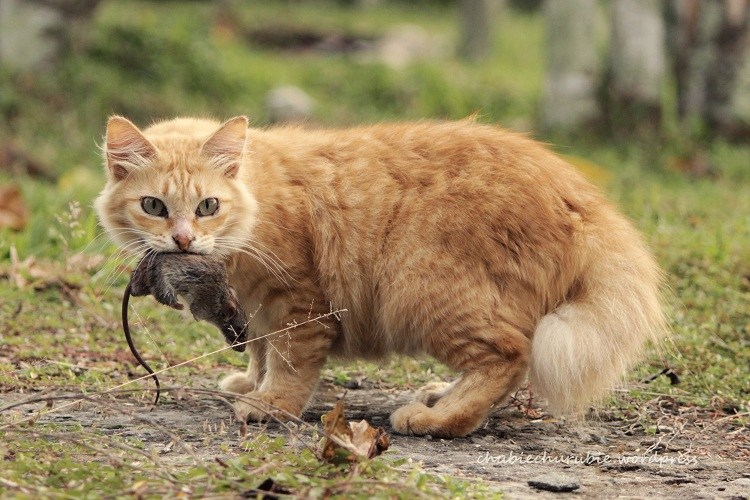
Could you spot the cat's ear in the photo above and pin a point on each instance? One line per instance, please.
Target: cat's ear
(224, 148)
(126, 148)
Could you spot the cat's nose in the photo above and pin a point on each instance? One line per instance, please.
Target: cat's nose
(183, 241)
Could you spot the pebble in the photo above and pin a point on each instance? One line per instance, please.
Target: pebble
(289, 104)
(559, 483)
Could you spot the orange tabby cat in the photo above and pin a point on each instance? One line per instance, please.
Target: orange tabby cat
(466, 242)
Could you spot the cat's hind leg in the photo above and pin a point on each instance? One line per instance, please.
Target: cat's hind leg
(493, 362)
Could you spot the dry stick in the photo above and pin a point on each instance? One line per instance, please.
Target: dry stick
(88, 398)
(58, 408)
(219, 395)
(267, 408)
(75, 438)
(264, 407)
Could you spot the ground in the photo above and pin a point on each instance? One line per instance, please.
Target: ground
(688, 452)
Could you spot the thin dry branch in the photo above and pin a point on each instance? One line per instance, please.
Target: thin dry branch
(156, 372)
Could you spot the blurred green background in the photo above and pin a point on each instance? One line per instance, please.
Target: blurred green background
(683, 177)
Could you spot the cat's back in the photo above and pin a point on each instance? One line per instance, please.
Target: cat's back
(422, 154)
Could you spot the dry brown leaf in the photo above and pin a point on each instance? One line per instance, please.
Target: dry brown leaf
(13, 212)
(349, 441)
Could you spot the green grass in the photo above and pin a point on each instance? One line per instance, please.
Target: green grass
(45, 465)
(149, 60)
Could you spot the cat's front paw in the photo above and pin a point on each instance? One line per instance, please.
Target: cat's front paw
(238, 383)
(260, 406)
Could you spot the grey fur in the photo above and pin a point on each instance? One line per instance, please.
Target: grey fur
(202, 281)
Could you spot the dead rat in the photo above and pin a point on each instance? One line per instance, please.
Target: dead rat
(202, 281)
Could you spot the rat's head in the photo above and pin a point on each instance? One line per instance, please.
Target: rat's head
(177, 186)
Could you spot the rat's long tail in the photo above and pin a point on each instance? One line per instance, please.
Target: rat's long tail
(126, 329)
(582, 348)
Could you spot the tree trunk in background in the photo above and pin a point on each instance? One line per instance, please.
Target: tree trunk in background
(711, 46)
(637, 59)
(690, 49)
(476, 20)
(32, 32)
(569, 99)
(728, 110)
(26, 28)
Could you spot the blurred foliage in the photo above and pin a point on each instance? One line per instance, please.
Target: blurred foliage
(151, 60)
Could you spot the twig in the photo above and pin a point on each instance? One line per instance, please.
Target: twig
(157, 372)
(75, 438)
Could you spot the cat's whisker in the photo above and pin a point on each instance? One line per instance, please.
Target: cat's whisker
(108, 238)
(274, 259)
(248, 251)
(281, 263)
(261, 261)
(116, 257)
(280, 226)
(141, 247)
(239, 243)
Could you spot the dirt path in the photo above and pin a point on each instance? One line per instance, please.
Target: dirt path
(690, 455)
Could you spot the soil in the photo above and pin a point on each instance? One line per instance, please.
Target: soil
(691, 453)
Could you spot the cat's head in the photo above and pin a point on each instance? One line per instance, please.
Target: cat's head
(176, 186)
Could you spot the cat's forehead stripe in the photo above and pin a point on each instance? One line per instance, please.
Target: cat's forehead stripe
(180, 185)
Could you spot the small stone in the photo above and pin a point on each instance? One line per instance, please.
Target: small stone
(352, 384)
(558, 483)
(405, 44)
(289, 104)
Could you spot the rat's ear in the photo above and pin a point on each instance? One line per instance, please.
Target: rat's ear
(126, 148)
(225, 147)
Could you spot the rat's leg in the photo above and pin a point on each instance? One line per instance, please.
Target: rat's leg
(295, 354)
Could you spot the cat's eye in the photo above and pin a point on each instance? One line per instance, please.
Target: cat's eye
(154, 206)
(209, 206)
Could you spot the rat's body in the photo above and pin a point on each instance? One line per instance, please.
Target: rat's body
(201, 280)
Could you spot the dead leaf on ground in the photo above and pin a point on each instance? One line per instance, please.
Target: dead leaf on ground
(13, 212)
(349, 441)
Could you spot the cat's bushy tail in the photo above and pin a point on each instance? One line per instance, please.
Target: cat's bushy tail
(584, 347)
